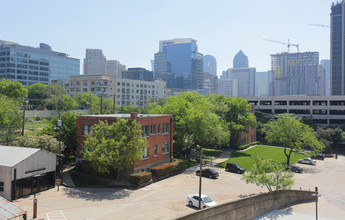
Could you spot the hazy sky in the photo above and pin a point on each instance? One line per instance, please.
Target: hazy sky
(130, 30)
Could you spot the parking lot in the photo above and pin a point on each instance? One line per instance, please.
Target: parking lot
(166, 199)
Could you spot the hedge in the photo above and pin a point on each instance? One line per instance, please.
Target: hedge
(162, 170)
(139, 178)
(178, 165)
(243, 147)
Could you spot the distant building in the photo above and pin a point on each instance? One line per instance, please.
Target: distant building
(337, 64)
(125, 91)
(263, 83)
(227, 87)
(25, 171)
(327, 67)
(138, 74)
(94, 62)
(158, 129)
(295, 74)
(322, 80)
(245, 78)
(30, 65)
(114, 68)
(179, 63)
(210, 84)
(210, 65)
(240, 60)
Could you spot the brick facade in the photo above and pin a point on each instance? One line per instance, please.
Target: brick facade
(154, 138)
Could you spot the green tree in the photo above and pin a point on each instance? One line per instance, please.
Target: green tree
(270, 174)
(68, 132)
(44, 142)
(13, 89)
(195, 121)
(84, 99)
(289, 132)
(128, 109)
(10, 118)
(330, 137)
(114, 146)
(36, 94)
(61, 103)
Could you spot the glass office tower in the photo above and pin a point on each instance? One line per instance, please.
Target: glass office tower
(179, 62)
(30, 65)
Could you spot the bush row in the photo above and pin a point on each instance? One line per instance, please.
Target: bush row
(243, 147)
(167, 168)
(139, 178)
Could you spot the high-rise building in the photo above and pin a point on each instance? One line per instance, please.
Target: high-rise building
(295, 74)
(337, 48)
(179, 63)
(322, 80)
(114, 68)
(240, 60)
(94, 62)
(227, 87)
(30, 65)
(326, 65)
(245, 78)
(138, 74)
(210, 65)
(263, 83)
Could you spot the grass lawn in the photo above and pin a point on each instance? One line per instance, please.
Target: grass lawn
(81, 181)
(211, 152)
(245, 160)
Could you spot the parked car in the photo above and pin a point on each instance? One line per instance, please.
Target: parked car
(328, 155)
(234, 167)
(210, 173)
(193, 200)
(318, 157)
(295, 169)
(307, 161)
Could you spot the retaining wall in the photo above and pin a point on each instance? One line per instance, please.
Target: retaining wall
(49, 113)
(252, 207)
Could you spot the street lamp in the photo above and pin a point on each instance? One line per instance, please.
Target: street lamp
(35, 199)
(316, 195)
(25, 103)
(60, 156)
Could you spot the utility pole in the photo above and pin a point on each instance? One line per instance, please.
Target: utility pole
(24, 105)
(101, 103)
(200, 176)
(60, 156)
(114, 104)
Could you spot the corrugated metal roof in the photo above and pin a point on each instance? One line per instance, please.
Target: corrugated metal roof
(10, 156)
(8, 210)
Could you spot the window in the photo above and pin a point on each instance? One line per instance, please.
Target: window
(87, 129)
(165, 128)
(158, 129)
(153, 129)
(145, 153)
(1, 186)
(155, 150)
(165, 147)
(145, 129)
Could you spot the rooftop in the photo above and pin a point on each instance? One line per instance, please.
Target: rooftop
(10, 156)
(8, 210)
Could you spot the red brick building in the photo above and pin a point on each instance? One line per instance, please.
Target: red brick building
(157, 128)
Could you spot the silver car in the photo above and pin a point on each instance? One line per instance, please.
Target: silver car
(193, 200)
(307, 161)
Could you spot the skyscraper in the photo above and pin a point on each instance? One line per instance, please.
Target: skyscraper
(210, 65)
(326, 65)
(94, 62)
(114, 68)
(30, 65)
(295, 74)
(240, 60)
(263, 83)
(337, 48)
(179, 63)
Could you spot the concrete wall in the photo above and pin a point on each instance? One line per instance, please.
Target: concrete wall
(252, 207)
(5, 177)
(49, 113)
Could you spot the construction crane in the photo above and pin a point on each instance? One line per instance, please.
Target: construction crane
(320, 25)
(288, 44)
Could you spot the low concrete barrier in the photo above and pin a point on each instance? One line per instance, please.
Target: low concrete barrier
(252, 207)
(49, 113)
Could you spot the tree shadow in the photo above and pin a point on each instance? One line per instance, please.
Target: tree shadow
(239, 154)
(277, 214)
(97, 194)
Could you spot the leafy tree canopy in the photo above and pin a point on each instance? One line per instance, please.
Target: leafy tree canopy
(289, 132)
(44, 142)
(60, 103)
(330, 137)
(13, 89)
(36, 94)
(10, 118)
(114, 146)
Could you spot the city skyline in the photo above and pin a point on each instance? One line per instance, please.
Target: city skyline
(129, 31)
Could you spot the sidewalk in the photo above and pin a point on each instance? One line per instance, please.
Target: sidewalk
(222, 157)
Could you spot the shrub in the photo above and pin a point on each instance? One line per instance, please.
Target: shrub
(178, 165)
(139, 178)
(243, 147)
(162, 170)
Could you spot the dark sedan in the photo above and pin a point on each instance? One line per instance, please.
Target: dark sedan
(210, 173)
(318, 157)
(295, 169)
